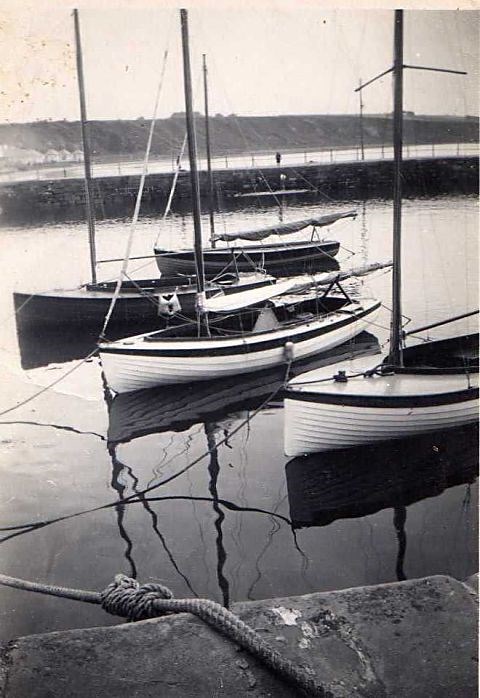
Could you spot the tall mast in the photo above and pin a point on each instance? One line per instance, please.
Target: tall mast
(192, 154)
(86, 151)
(396, 323)
(209, 157)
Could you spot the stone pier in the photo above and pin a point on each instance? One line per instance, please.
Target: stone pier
(409, 639)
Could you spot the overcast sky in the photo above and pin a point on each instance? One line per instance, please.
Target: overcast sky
(287, 59)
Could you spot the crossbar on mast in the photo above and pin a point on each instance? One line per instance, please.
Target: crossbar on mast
(441, 322)
(436, 70)
(377, 77)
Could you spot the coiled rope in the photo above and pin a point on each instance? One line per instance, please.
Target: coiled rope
(126, 598)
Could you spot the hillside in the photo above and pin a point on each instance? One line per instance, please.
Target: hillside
(232, 134)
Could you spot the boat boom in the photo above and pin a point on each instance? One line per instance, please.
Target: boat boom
(296, 284)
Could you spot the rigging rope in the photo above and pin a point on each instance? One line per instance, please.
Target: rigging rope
(138, 201)
(172, 188)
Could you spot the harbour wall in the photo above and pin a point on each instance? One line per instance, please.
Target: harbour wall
(64, 199)
(412, 639)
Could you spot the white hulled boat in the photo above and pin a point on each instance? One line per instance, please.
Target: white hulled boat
(291, 320)
(411, 391)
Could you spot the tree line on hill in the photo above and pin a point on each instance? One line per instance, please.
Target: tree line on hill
(238, 134)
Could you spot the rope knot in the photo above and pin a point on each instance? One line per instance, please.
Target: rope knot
(127, 598)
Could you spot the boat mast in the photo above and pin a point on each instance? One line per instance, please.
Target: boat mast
(395, 356)
(209, 157)
(192, 154)
(360, 121)
(86, 151)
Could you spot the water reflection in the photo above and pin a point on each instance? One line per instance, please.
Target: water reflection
(216, 434)
(119, 471)
(214, 470)
(40, 346)
(358, 482)
(222, 407)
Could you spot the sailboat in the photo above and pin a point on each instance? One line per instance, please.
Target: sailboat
(279, 259)
(249, 335)
(141, 303)
(414, 390)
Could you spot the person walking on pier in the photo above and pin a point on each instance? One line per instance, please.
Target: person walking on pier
(278, 158)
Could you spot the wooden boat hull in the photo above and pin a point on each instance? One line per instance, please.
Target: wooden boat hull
(280, 259)
(133, 363)
(323, 414)
(160, 409)
(86, 307)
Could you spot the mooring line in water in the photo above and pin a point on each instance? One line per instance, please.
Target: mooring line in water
(136, 497)
(50, 385)
(126, 598)
(231, 506)
(60, 427)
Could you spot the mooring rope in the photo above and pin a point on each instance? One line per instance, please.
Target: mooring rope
(50, 385)
(126, 598)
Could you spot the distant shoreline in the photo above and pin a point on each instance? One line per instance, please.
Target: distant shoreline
(111, 140)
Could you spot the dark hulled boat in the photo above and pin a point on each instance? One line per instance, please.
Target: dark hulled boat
(278, 258)
(140, 303)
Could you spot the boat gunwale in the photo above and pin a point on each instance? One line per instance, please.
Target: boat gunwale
(259, 338)
(250, 249)
(384, 402)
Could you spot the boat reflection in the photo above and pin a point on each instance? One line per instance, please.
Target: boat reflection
(356, 482)
(215, 433)
(178, 408)
(220, 406)
(123, 476)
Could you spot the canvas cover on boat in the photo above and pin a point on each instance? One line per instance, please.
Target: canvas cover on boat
(284, 228)
(295, 284)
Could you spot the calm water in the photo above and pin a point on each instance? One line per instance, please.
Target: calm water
(240, 523)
